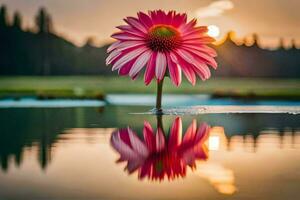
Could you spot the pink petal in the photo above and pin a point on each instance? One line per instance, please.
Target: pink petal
(129, 44)
(198, 30)
(189, 26)
(137, 145)
(175, 134)
(124, 70)
(155, 19)
(204, 57)
(133, 165)
(140, 63)
(136, 24)
(189, 73)
(124, 136)
(202, 48)
(126, 36)
(202, 71)
(202, 133)
(162, 16)
(170, 16)
(160, 140)
(149, 136)
(195, 36)
(113, 55)
(185, 55)
(174, 71)
(186, 67)
(129, 29)
(113, 46)
(146, 169)
(125, 151)
(179, 19)
(128, 57)
(190, 133)
(198, 65)
(161, 65)
(150, 70)
(145, 19)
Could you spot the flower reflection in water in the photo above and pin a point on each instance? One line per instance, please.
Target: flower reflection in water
(158, 156)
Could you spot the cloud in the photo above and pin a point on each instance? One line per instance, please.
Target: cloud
(214, 9)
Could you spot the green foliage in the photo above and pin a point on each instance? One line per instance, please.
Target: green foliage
(97, 86)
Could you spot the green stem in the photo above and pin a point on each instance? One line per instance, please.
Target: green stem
(159, 96)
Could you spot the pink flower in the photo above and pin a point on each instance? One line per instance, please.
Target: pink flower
(157, 157)
(162, 41)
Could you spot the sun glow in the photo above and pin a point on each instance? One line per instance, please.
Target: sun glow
(213, 31)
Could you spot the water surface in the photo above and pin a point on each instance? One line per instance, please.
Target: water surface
(65, 153)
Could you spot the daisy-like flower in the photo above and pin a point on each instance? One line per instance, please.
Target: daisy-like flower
(158, 157)
(164, 43)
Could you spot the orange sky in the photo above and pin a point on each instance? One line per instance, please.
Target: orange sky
(78, 19)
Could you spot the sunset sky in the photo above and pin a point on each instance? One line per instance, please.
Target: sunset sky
(79, 19)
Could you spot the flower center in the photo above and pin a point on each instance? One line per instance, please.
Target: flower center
(163, 38)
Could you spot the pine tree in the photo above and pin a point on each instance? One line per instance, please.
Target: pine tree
(17, 20)
(3, 16)
(43, 21)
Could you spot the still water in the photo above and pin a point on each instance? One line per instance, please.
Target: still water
(106, 153)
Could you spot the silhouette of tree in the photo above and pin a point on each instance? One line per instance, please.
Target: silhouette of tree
(3, 16)
(281, 44)
(43, 21)
(17, 20)
(293, 44)
(256, 41)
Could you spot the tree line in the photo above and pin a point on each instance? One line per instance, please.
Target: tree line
(40, 51)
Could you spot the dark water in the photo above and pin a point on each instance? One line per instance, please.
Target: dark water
(65, 153)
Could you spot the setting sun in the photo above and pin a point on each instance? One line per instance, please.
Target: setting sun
(213, 31)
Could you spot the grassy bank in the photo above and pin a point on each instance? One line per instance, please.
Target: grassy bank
(98, 86)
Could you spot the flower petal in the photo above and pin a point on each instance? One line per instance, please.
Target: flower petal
(202, 48)
(190, 133)
(140, 63)
(186, 67)
(189, 26)
(126, 36)
(161, 65)
(128, 57)
(126, 152)
(202, 133)
(149, 136)
(136, 24)
(179, 19)
(175, 134)
(113, 55)
(155, 19)
(129, 44)
(204, 58)
(185, 55)
(137, 145)
(113, 46)
(124, 70)
(145, 19)
(160, 140)
(150, 69)
(174, 71)
(197, 30)
(130, 29)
